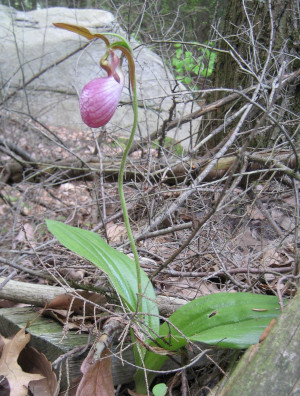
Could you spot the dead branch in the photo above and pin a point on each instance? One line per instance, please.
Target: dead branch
(212, 107)
(39, 295)
(66, 169)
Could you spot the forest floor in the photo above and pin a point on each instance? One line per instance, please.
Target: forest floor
(246, 245)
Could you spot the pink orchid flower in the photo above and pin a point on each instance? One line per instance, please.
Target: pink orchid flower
(100, 97)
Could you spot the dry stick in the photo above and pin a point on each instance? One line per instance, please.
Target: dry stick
(196, 114)
(265, 212)
(51, 278)
(119, 214)
(164, 127)
(297, 215)
(220, 128)
(38, 294)
(17, 150)
(110, 169)
(165, 231)
(12, 155)
(76, 352)
(179, 202)
(211, 107)
(184, 196)
(60, 143)
(8, 278)
(189, 225)
(279, 291)
(8, 202)
(233, 271)
(33, 127)
(22, 268)
(203, 174)
(201, 222)
(274, 162)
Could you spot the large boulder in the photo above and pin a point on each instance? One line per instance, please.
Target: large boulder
(48, 68)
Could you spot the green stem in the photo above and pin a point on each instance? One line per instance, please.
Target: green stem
(121, 191)
(124, 46)
(127, 51)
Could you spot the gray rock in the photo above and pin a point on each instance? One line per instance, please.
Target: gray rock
(55, 64)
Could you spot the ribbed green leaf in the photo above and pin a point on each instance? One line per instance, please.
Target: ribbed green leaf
(227, 320)
(119, 268)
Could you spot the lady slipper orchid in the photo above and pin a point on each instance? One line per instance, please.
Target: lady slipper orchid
(100, 97)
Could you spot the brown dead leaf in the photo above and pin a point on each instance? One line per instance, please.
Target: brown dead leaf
(246, 241)
(281, 257)
(254, 213)
(72, 274)
(290, 201)
(8, 303)
(285, 222)
(97, 376)
(9, 367)
(132, 393)
(71, 321)
(26, 235)
(115, 232)
(76, 313)
(77, 305)
(35, 362)
(271, 257)
(190, 287)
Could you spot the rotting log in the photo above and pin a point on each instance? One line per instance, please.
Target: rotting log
(48, 337)
(273, 366)
(38, 295)
(13, 171)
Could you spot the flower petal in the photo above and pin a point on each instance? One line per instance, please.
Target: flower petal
(99, 100)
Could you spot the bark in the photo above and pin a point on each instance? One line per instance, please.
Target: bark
(262, 40)
(282, 27)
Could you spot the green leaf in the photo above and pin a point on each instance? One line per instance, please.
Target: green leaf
(196, 69)
(226, 320)
(160, 389)
(178, 53)
(230, 320)
(189, 64)
(175, 62)
(187, 80)
(119, 268)
(180, 65)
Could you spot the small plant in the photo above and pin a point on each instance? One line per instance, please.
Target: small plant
(227, 320)
(160, 390)
(186, 64)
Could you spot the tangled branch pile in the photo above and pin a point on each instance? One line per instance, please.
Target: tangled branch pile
(218, 211)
